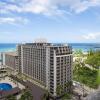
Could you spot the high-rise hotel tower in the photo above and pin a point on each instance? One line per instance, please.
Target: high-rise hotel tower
(46, 63)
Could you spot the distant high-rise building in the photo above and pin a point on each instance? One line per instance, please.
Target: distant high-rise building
(2, 60)
(11, 61)
(46, 63)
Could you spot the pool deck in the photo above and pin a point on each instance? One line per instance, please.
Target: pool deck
(16, 87)
(13, 91)
(12, 82)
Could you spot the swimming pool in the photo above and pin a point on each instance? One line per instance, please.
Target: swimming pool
(5, 86)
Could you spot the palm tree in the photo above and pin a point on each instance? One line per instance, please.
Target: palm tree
(83, 81)
(26, 96)
(11, 97)
(69, 85)
(90, 52)
(66, 97)
(45, 96)
(59, 89)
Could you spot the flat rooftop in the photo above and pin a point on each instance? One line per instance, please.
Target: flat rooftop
(11, 53)
(47, 44)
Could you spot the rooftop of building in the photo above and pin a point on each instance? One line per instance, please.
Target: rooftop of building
(47, 44)
(11, 53)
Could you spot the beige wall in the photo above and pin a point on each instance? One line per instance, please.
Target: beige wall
(11, 61)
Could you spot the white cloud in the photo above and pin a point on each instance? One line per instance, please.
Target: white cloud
(49, 7)
(91, 36)
(13, 20)
(85, 5)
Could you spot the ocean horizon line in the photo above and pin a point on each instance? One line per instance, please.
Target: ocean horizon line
(54, 42)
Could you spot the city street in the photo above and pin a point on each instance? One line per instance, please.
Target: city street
(82, 90)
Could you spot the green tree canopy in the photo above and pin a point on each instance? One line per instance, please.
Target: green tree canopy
(11, 97)
(93, 59)
(26, 96)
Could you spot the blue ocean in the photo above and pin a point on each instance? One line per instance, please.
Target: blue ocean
(5, 47)
(85, 46)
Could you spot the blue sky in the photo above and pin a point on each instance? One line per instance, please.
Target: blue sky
(55, 20)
